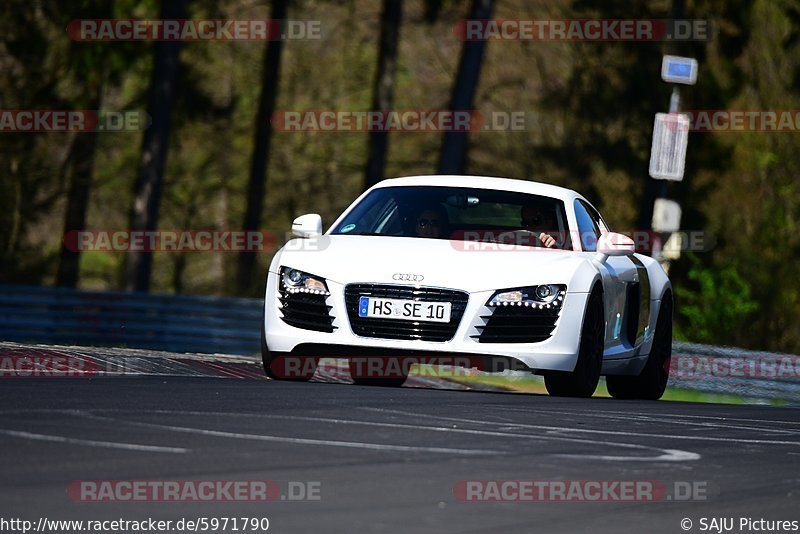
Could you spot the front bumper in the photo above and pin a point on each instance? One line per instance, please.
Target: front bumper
(557, 353)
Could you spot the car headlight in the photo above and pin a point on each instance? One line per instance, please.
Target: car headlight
(546, 296)
(296, 281)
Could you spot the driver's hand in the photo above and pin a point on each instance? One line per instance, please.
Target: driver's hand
(547, 240)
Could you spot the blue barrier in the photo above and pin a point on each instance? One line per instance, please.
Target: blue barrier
(175, 323)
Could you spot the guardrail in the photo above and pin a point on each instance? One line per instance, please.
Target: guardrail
(735, 371)
(175, 323)
(222, 325)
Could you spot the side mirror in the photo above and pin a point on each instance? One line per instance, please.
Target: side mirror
(612, 244)
(309, 225)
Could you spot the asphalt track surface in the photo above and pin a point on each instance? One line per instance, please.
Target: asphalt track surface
(386, 460)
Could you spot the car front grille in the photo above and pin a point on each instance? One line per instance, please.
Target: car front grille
(307, 311)
(513, 324)
(400, 329)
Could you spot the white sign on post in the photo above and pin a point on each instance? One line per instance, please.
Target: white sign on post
(668, 152)
(672, 248)
(666, 215)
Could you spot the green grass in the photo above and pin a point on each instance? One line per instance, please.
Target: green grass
(535, 384)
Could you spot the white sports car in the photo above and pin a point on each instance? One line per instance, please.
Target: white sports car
(481, 272)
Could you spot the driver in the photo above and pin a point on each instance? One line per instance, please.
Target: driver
(431, 222)
(538, 220)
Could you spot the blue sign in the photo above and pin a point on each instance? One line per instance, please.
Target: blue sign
(676, 69)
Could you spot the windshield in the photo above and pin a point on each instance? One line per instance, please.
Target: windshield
(460, 213)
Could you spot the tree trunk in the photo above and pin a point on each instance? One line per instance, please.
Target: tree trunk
(149, 182)
(82, 166)
(383, 95)
(454, 146)
(257, 186)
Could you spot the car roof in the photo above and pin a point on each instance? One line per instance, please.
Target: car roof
(484, 182)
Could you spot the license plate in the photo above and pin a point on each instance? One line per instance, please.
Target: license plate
(409, 310)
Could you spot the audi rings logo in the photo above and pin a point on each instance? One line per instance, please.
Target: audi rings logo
(408, 277)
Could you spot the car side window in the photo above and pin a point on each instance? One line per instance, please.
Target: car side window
(587, 227)
(598, 220)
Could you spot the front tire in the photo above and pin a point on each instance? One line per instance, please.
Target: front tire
(582, 382)
(652, 381)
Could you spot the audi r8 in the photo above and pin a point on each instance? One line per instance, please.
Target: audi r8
(501, 273)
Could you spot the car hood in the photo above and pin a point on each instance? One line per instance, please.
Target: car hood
(431, 262)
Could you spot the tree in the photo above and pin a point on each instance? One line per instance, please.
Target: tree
(755, 205)
(150, 180)
(33, 167)
(383, 96)
(257, 185)
(81, 160)
(454, 146)
(90, 65)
